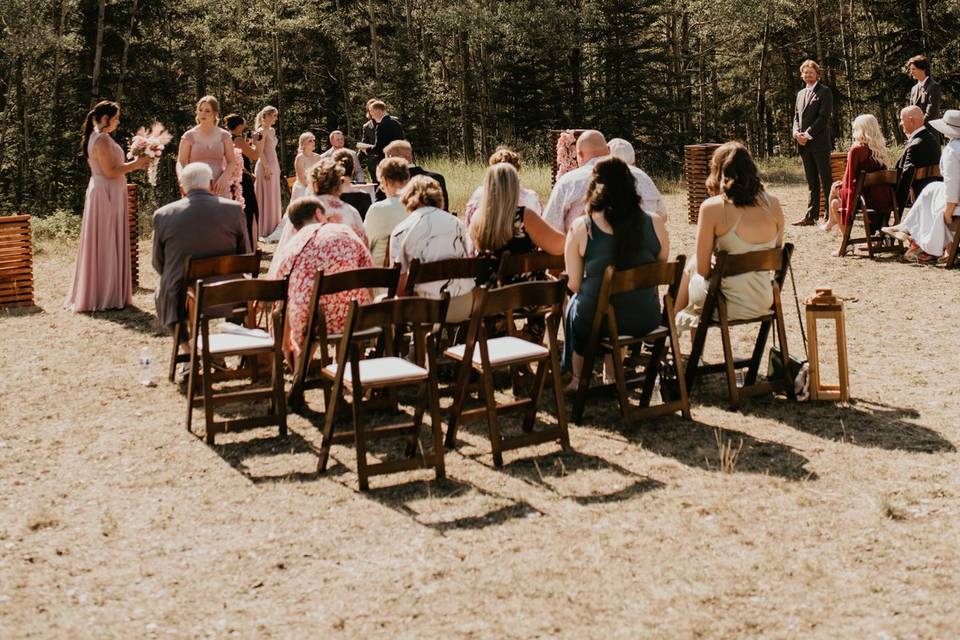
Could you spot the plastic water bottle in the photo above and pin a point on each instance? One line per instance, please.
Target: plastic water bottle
(146, 359)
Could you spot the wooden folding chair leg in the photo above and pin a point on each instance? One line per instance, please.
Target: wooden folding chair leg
(463, 379)
(558, 397)
(954, 248)
(657, 355)
(536, 390)
(728, 354)
(586, 374)
(332, 399)
(360, 434)
(753, 370)
(191, 385)
(176, 352)
(279, 404)
(620, 377)
(678, 359)
(496, 442)
(436, 425)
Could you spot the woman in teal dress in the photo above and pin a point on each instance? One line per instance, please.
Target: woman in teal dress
(614, 230)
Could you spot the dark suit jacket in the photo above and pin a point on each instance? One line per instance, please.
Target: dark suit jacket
(388, 130)
(200, 225)
(416, 170)
(921, 150)
(927, 97)
(813, 117)
(358, 200)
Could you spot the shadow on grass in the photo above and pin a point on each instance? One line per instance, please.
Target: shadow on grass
(17, 312)
(133, 318)
(241, 455)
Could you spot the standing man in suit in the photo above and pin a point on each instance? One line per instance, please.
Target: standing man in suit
(922, 149)
(199, 225)
(926, 93)
(388, 130)
(811, 131)
(368, 136)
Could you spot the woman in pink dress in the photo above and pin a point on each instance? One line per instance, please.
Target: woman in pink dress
(267, 171)
(101, 277)
(209, 144)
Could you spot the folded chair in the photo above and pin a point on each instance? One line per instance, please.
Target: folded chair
(773, 260)
(218, 301)
(211, 270)
(317, 336)
(354, 373)
(873, 219)
(483, 355)
(614, 283)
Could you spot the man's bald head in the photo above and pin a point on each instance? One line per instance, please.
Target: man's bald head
(591, 144)
(911, 119)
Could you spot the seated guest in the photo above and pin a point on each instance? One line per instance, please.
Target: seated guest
(740, 217)
(319, 245)
(528, 197)
(922, 149)
(568, 198)
(199, 225)
(402, 149)
(928, 225)
(868, 153)
(615, 231)
(359, 200)
(620, 148)
(501, 224)
(429, 234)
(326, 181)
(384, 216)
(336, 144)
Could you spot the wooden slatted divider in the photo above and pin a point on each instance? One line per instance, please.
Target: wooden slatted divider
(696, 168)
(16, 262)
(838, 165)
(134, 226)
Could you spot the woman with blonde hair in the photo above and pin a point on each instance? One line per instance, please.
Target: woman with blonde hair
(527, 197)
(209, 144)
(868, 153)
(267, 170)
(501, 224)
(307, 157)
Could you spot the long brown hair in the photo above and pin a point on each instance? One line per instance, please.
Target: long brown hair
(613, 191)
(103, 108)
(734, 174)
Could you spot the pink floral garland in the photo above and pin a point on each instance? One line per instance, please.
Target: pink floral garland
(236, 178)
(566, 152)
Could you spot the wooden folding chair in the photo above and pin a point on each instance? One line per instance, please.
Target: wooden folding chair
(220, 300)
(775, 260)
(605, 321)
(317, 336)
(215, 269)
(873, 219)
(954, 248)
(483, 354)
(352, 371)
(479, 269)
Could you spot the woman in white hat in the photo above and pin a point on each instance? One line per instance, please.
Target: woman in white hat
(928, 226)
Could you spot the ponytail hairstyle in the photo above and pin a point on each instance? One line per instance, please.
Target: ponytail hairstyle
(258, 122)
(214, 105)
(304, 138)
(613, 191)
(102, 108)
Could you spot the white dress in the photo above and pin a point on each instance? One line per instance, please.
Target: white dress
(925, 222)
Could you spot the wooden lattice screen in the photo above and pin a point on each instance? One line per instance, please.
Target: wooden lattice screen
(696, 168)
(16, 262)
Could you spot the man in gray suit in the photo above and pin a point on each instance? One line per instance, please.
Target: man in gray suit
(200, 225)
(811, 130)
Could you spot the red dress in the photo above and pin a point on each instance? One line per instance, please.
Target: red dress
(878, 197)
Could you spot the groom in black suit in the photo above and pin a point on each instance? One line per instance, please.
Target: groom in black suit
(811, 131)
(922, 150)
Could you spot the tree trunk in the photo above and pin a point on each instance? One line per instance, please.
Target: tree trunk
(126, 49)
(278, 81)
(761, 102)
(466, 96)
(374, 44)
(924, 25)
(23, 166)
(98, 52)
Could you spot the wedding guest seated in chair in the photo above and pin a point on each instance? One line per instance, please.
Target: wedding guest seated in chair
(739, 217)
(929, 226)
(527, 197)
(383, 216)
(617, 231)
(199, 225)
(867, 153)
(319, 245)
(922, 149)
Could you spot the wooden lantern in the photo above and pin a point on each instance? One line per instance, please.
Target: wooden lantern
(825, 306)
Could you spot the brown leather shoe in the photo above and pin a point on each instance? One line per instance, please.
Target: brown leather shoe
(803, 222)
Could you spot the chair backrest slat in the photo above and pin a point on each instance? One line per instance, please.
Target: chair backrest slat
(547, 293)
(450, 269)
(733, 265)
(645, 276)
(513, 265)
(368, 278)
(926, 171)
(397, 311)
(236, 264)
(234, 291)
(876, 178)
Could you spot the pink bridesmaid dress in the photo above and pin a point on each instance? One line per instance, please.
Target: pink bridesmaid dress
(210, 154)
(268, 191)
(101, 277)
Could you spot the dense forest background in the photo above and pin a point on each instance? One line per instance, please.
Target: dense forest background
(462, 76)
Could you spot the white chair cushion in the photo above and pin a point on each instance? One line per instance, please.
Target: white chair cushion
(380, 370)
(505, 349)
(227, 342)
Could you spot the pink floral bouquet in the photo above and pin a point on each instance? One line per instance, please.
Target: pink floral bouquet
(566, 152)
(151, 144)
(236, 178)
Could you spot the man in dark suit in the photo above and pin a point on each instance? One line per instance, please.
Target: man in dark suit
(922, 149)
(388, 130)
(811, 131)
(403, 149)
(926, 93)
(199, 225)
(368, 136)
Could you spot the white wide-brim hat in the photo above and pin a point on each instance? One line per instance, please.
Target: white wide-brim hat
(949, 124)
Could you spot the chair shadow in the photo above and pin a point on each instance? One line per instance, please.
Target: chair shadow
(554, 470)
(133, 318)
(402, 498)
(239, 454)
(16, 312)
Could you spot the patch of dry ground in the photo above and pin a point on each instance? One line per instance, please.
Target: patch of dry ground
(837, 521)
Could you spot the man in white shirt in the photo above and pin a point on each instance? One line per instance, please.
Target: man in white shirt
(338, 142)
(569, 196)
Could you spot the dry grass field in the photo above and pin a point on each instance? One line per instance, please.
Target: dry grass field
(835, 521)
